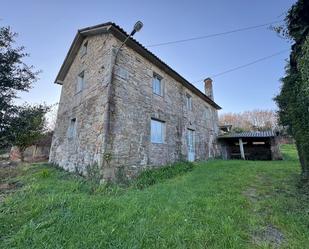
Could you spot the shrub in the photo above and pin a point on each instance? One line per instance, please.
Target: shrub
(45, 173)
(93, 172)
(121, 178)
(153, 176)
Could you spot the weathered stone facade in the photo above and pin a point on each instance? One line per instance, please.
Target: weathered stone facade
(87, 106)
(132, 106)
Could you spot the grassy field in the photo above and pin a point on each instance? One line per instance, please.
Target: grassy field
(219, 204)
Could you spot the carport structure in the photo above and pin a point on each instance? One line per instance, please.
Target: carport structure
(253, 145)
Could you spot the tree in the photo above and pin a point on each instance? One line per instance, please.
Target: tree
(251, 120)
(28, 126)
(14, 76)
(293, 99)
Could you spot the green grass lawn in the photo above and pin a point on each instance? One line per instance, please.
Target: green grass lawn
(219, 204)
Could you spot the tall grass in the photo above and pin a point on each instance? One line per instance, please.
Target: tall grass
(153, 176)
(218, 204)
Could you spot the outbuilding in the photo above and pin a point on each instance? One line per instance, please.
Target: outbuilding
(253, 145)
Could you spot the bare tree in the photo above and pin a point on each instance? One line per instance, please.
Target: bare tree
(251, 120)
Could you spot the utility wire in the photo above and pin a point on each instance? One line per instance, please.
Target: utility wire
(212, 35)
(245, 65)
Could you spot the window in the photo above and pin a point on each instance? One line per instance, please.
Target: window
(72, 128)
(258, 143)
(157, 85)
(84, 48)
(80, 82)
(157, 131)
(189, 102)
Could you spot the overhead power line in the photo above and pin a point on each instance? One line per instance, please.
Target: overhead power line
(212, 35)
(245, 65)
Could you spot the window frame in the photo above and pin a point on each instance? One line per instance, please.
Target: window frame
(80, 84)
(84, 48)
(189, 104)
(191, 132)
(72, 128)
(160, 80)
(162, 130)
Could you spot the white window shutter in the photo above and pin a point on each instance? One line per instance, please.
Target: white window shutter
(157, 131)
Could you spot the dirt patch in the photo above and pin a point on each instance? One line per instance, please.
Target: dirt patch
(251, 194)
(4, 186)
(6, 163)
(8, 173)
(8, 170)
(8, 188)
(270, 235)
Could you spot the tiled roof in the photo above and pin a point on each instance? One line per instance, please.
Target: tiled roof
(248, 134)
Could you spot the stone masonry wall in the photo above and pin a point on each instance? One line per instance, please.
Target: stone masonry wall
(87, 106)
(135, 106)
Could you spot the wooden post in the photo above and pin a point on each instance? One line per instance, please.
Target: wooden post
(241, 147)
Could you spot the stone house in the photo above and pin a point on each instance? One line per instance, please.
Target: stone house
(129, 110)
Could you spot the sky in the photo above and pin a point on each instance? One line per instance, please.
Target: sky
(47, 29)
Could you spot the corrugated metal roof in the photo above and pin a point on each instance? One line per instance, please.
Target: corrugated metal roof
(248, 134)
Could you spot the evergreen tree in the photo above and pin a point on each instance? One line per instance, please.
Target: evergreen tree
(293, 100)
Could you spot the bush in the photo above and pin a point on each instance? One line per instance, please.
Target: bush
(153, 176)
(45, 173)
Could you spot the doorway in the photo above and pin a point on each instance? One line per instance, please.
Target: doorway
(191, 145)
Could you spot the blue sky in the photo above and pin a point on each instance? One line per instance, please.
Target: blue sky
(47, 28)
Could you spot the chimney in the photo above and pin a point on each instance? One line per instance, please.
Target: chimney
(208, 88)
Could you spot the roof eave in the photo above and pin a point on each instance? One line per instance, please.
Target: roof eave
(120, 34)
(236, 137)
(74, 48)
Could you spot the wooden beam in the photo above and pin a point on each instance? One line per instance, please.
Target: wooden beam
(242, 151)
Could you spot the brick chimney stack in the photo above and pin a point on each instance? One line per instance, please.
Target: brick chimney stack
(208, 88)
